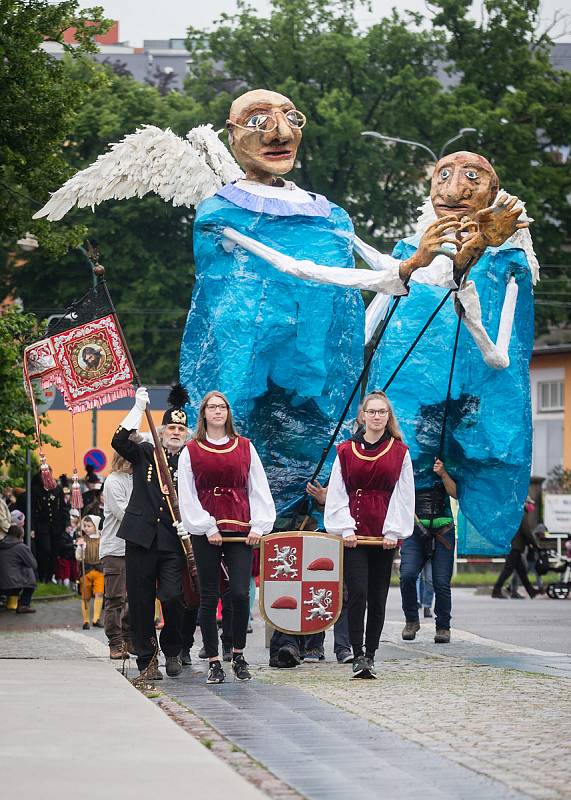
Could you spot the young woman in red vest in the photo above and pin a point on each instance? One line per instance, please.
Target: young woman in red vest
(370, 494)
(223, 491)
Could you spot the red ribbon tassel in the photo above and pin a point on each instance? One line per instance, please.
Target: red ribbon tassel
(48, 480)
(76, 497)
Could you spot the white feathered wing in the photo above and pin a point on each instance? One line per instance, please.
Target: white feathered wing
(150, 160)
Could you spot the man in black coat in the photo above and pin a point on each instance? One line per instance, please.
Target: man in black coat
(524, 536)
(154, 557)
(50, 518)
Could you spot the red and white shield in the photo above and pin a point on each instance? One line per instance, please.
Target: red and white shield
(301, 581)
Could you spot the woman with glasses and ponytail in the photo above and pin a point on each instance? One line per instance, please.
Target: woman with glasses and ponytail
(223, 492)
(370, 496)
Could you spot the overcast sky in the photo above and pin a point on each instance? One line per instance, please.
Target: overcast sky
(166, 19)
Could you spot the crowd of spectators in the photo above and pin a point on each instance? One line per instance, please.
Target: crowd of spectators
(49, 556)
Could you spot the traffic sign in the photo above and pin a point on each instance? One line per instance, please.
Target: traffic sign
(95, 458)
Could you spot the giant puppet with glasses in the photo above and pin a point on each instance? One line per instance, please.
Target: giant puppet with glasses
(277, 321)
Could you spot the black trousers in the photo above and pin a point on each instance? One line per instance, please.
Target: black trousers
(238, 560)
(367, 573)
(46, 553)
(514, 561)
(191, 620)
(188, 627)
(154, 573)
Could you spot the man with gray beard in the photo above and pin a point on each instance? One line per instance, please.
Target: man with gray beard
(154, 558)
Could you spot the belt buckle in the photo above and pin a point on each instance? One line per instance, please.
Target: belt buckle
(217, 491)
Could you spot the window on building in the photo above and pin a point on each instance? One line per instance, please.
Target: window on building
(550, 396)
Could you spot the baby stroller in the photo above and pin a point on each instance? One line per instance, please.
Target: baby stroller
(561, 564)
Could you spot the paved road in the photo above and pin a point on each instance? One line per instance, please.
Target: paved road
(542, 623)
(474, 719)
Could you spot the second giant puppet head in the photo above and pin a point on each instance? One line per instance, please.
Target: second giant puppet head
(463, 183)
(264, 134)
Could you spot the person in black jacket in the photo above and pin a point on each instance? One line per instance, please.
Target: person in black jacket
(17, 569)
(523, 537)
(154, 558)
(50, 518)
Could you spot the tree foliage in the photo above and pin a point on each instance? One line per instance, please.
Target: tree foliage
(498, 79)
(145, 244)
(416, 78)
(38, 104)
(17, 432)
(521, 105)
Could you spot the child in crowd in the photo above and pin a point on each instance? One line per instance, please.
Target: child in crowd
(67, 572)
(91, 581)
(17, 569)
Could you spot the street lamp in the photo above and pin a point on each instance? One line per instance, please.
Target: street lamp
(462, 132)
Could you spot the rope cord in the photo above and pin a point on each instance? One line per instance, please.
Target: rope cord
(345, 411)
(416, 341)
(446, 409)
(447, 403)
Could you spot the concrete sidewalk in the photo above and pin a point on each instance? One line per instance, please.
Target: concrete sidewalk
(79, 727)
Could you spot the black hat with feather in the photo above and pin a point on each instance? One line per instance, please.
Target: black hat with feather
(175, 413)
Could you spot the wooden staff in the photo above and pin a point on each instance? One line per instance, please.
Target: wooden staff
(370, 540)
(83, 577)
(236, 539)
(167, 485)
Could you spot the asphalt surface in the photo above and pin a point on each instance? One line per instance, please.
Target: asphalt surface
(541, 624)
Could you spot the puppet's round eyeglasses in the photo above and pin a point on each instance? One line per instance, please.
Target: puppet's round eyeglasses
(266, 123)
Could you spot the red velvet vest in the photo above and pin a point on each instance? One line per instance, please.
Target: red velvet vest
(370, 477)
(221, 477)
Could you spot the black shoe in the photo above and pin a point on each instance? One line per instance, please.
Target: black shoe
(360, 667)
(533, 593)
(250, 628)
(86, 626)
(313, 656)
(427, 613)
(25, 610)
(173, 666)
(215, 673)
(499, 595)
(226, 653)
(288, 656)
(516, 596)
(240, 667)
(274, 662)
(345, 657)
(371, 667)
(202, 653)
(185, 658)
(98, 624)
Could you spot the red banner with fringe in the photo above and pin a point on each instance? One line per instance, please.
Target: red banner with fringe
(88, 365)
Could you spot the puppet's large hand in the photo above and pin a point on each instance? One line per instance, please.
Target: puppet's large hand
(439, 233)
(500, 221)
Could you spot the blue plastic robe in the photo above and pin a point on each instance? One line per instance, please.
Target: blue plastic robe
(487, 446)
(285, 351)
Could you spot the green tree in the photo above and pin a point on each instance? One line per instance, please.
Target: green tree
(385, 78)
(17, 431)
(38, 104)
(145, 244)
(345, 81)
(521, 105)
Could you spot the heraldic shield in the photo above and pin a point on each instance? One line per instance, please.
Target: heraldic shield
(301, 581)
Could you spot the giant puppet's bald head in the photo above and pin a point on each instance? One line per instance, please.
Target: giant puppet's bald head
(264, 132)
(463, 183)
